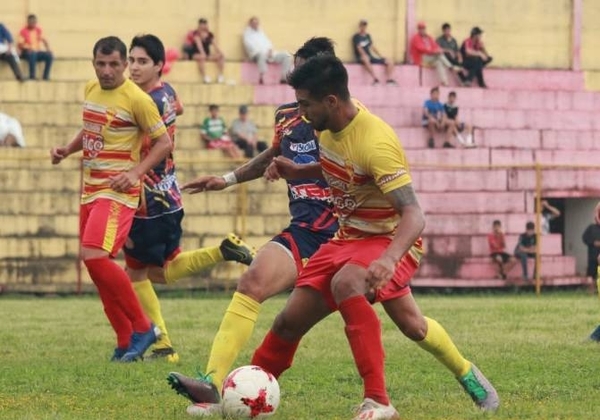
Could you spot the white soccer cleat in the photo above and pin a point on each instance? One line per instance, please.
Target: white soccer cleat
(205, 409)
(372, 410)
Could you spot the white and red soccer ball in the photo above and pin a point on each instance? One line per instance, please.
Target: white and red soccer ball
(250, 392)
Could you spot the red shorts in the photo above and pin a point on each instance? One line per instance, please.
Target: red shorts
(105, 224)
(335, 254)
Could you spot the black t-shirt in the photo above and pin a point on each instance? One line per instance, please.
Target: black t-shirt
(526, 240)
(364, 41)
(451, 111)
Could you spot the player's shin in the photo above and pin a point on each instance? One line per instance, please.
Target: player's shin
(275, 355)
(151, 305)
(191, 262)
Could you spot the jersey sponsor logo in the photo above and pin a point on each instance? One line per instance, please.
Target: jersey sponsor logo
(389, 178)
(304, 159)
(166, 183)
(92, 127)
(344, 204)
(337, 183)
(310, 191)
(303, 147)
(92, 144)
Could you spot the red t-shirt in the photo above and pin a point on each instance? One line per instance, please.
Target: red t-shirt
(496, 242)
(420, 46)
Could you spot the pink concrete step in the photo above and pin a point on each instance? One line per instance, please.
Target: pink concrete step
(476, 245)
(426, 180)
(484, 268)
(495, 283)
(498, 138)
(475, 224)
(472, 202)
(517, 79)
(458, 156)
(568, 182)
(571, 139)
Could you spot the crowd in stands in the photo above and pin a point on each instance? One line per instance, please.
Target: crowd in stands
(439, 117)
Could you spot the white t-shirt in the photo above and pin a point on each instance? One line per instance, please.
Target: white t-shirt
(256, 42)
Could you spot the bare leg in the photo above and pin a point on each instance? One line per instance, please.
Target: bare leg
(366, 62)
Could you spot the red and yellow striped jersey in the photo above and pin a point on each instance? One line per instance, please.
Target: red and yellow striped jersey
(114, 124)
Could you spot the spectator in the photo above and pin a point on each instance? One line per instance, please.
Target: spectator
(363, 51)
(8, 52)
(475, 57)
(434, 118)
(450, 48)
(31, 39)
(259, 48)
(214, 133)
(244, 133)
(424, 51)
(200, 45)
(455, 126)
(497, 244)
(526, 248)
(11, 133)
(549, 213)
(591, 237)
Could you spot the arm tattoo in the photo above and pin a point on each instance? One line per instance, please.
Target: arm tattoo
(255, 168)
(402, 197)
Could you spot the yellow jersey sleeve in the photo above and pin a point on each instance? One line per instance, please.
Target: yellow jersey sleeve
(146, 114)
(388, 165)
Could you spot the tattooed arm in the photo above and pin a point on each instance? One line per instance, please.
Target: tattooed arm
(255, 167)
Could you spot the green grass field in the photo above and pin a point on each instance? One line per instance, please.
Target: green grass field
(54, 360)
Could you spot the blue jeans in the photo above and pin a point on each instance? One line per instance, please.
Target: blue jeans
(33, 57)
(522, 256)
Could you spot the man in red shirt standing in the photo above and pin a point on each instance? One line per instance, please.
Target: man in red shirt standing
(30, 47)
(424, 51)
(498, 252)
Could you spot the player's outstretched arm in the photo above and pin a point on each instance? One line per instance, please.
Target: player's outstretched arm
(253, 169)
(411, 224)
(285, 168)
(58, 153)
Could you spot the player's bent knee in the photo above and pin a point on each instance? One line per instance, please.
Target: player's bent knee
(253, 285)
(415, 329)
(289, 331)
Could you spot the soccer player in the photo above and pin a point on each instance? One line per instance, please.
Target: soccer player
(116, 116)
(404, 312)
(152, 251)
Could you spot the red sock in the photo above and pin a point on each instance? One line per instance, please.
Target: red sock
(115, 282)
(117, 319)
(363, 330)
(275, 355)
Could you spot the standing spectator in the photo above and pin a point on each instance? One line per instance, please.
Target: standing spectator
(8, 52)
(200, 45)
(456, 127)
(526, 248)
(591, 237)
(31, 39)
(497, 244)
(475, 56)
(549, 213)
(434, 118)
(11, 133)
(363, 51)
(214, 133)
(259, 48)
(244, 133)
(424, 51)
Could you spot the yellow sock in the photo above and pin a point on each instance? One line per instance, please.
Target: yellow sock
(235, 330)
(149, 301)
(440, 345)
(191, 262)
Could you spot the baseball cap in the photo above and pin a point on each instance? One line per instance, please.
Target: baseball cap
(421, 25)
(476, 31)
(243, 109)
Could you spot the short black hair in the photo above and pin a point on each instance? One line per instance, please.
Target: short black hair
(314, 46)
(452, 93)
(202, 20)
(212, 107)
(321, 75)
(434, 89)
(446, 26)
(496, 223)
(530, 226)
(110, 44)
(153, 47)
(31, 16)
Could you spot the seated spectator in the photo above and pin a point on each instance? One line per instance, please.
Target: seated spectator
(526, 248)
(31, 39)
(244, 133)
(456, 126)
(475, 57)
(8, 52)
(434, 118)
(11, 133)
(214, 133)
(591, 238)
(424, 51)
(497, 245)
(259, 48)
(450, 48)
(367, 54)
(200, 45)
(549, 213)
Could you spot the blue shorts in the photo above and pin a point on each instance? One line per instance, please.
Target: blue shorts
(153, 242)
(301, 242)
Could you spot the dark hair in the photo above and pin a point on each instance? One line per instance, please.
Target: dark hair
(110, 44)
(453, 93)
(31, 16)
(434, 89)
(314, 46)
(212, 107)
(202, 20)
(496, 223)
(446, 26)
(321, 75)
(153, 47)
(530, 226)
